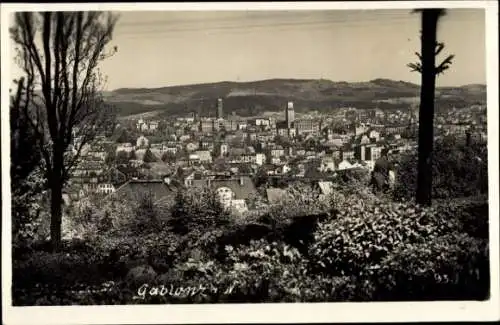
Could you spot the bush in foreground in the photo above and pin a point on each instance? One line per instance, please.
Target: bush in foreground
(366, 248)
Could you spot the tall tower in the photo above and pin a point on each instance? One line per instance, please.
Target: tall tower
(220, 113)
(289, 115)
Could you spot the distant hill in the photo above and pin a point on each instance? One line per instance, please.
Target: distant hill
(253, 98)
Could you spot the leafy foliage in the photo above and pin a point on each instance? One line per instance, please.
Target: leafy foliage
(366, 248)
(458, 171)
(149, 157)
(196, 211)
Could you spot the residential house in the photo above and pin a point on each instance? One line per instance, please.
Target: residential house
(252, 136)
(242, 125)
(233, 193)
(169, 148)
(265, 137)
(334, 141)
(277, 152)
(393, 129)
(364, 139)
(105, 188)
(96, 154)
(142, 125)
(347, 154)
(162, 192)
(282, 170)
(300, 152)
(276, 161)
(344, 164)
(373, 153)
(373, 134)
(206, 144)
(360, 129)
(127, 147)
(260, 159)
(153, 126)
(204, 156)
(223, 150)
(327, 164)
(264, 122)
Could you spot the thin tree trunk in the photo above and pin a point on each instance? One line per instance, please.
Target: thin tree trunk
(56, 185)
(426, 112)
(55, 216)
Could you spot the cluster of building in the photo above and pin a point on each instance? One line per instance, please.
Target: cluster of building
(227, 152)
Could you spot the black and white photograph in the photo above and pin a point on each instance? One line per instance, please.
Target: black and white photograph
(249, 156)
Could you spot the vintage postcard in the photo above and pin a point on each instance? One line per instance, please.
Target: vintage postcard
(250, 162)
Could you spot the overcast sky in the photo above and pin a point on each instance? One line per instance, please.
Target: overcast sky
(157, 49)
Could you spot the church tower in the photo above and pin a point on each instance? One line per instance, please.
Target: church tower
(289, 115)
(220, 113)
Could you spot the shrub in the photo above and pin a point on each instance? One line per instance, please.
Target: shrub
(458, 171)
(147, 216)
(197, 211)
(361, 234)
(149, 157)
(300, 200)
(99, 215)
(453, 267)
(471, 213)
(29, 222)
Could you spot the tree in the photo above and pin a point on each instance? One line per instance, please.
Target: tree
(149, 157)
(26, 183)
(111, 157)
(24, 155)
(122, 157)
(168, 157)
(59, 53)
(132, 155)
(124, 136)
(426, 66)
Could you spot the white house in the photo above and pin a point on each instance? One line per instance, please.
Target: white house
(228, 200)
(344, 164)
(260, 159)
(153, 125)
(223, 149)
(327, 164)
(105, 188)
(364, 139)
(374, 134)
(127, 147)
(204, 156)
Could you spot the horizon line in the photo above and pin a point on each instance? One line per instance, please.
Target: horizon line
(291, 79)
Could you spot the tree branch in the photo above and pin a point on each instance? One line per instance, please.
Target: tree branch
(445, 65)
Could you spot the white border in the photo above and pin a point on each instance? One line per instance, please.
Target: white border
(252, 313)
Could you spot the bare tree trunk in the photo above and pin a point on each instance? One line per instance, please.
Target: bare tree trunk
(56, 186)
(426, 112)
(56, 216)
